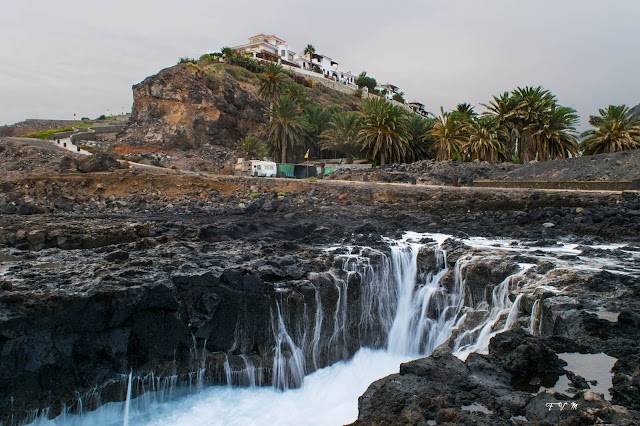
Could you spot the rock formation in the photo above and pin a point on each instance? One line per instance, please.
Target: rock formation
(188, 106)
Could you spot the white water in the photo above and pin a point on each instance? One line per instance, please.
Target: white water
(329, 397)
(127, 402)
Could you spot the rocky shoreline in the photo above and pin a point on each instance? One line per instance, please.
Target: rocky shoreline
(107, 273)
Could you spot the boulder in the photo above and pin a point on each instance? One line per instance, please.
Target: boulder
(98, 163)
(68, 164)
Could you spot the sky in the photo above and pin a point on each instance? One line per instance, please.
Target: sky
(65, 57)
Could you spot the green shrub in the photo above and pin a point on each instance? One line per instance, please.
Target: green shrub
(46, 134)
(213, 80)
(239, 73)
(187, 60)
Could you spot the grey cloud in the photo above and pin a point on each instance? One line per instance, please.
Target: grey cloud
(66, 57)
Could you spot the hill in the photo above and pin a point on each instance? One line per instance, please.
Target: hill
(192, 115)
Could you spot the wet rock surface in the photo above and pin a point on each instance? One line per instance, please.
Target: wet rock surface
(486, 389)
(102, 274)
(518, 381)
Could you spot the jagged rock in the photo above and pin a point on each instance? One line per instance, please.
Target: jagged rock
(187, 106)
(68, 164)
(6, 285)
(98, 163)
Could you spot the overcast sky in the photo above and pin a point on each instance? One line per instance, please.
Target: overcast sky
(65, 57)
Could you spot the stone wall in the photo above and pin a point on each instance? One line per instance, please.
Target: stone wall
(320, 79)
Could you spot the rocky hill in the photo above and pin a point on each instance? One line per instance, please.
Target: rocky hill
(188, 106)
(192, 115)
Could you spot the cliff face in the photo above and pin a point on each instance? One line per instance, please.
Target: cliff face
(190, 106)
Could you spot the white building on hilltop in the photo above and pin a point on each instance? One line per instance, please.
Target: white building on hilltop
(275, 49)
(268, 47)
(327, 67)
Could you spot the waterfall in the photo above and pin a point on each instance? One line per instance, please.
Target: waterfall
(127, 404)
(316, 330)
(227, 371)
(395, 305)
(535, 323)
(288, 361)
(404, 260)
(477, 338)
(250, 371)
(425, 314)
(403, 310)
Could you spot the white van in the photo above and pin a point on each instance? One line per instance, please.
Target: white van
(262, 168)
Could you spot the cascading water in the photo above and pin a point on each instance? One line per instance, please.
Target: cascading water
(288, 361)
(425, 313)
(403, 312)
(535, 324)
(127, 402)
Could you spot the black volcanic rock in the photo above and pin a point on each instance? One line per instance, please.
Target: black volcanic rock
(98, 163)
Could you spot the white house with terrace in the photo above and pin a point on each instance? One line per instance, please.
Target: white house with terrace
(269, 48)
(273, 48)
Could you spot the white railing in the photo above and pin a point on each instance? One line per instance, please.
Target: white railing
(320, 76)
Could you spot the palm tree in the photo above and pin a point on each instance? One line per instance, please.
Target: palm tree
(533, 104)
(318, 119)
(616, 129)
(486, 140)
(383, 133)
(297, 93)
(342, 134)
(504, 108)
(310, 50)
(449, 135)
(465, 111)
(288, 127)
(556, 134)
(420, 138)
(252, 148)
(273, 82)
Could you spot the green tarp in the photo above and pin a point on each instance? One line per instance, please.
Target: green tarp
(286, 170)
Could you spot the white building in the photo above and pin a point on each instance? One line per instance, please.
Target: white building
(275, 49)
(268, 47)
(327, 67)
(388, 90)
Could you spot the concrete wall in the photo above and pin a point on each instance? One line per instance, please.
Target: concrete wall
(83, 136)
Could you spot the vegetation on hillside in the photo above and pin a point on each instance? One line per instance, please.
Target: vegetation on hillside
(523, 125)
(252, 148)
(46, 134)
